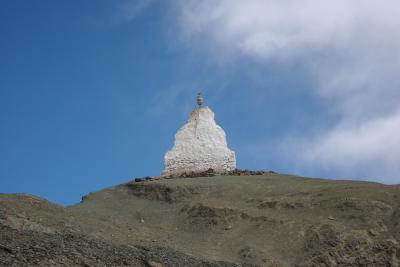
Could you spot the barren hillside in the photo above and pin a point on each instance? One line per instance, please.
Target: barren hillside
(264, 220)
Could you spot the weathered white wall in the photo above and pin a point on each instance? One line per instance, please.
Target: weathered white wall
(199, 145)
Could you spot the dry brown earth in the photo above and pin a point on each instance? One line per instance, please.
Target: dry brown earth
(264, 220)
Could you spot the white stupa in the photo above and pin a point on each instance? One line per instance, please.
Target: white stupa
(199, 145)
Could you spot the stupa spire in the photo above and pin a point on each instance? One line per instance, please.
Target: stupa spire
(199, 100)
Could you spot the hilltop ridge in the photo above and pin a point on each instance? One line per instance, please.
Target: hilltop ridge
(256, 220)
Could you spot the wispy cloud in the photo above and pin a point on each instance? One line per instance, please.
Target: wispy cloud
(130, 9)
(352, 51)
(369, 150)
(170, 99)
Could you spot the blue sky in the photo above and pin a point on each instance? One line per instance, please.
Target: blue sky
(92, 92)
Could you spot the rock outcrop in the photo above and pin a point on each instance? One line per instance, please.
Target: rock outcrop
(200, 145)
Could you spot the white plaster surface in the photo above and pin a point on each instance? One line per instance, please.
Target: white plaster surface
(199, 145)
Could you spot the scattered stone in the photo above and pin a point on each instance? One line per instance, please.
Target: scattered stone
(210, 172)
(5, 248)
(151, 263)
(321, 239)
(372, 232)
(238, 172)
(268, 204)
(30, 248)
(142, 179)
(154, 191)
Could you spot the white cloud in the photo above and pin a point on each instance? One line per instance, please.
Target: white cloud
(369, 150)
(350, 47)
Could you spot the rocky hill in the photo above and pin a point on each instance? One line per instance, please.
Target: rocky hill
(247, 220)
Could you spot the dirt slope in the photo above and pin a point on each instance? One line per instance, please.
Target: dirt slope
(265, 220)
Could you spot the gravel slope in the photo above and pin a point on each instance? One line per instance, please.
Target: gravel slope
(264, 220)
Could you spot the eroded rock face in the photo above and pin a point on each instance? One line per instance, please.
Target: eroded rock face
(199, 145)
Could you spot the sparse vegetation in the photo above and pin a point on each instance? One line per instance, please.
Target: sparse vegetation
(254, 219)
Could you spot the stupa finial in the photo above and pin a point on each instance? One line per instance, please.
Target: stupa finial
(199, 99)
